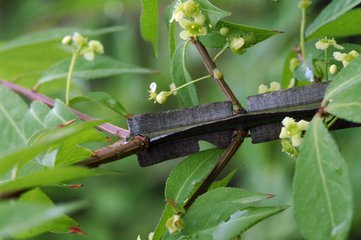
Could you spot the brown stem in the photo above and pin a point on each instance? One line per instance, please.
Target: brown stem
(222, 162)
(116, 151)
(211, 66)
(32, 95)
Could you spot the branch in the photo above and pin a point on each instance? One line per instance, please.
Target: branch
(237, 141)
(32, 95)
(211, 66)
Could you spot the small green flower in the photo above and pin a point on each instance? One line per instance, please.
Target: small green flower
(345, 58)
(293, 130)
(67, 40)
(325, 43)
(175, 224)
(274, 86)
(217, 74)
(288, 148)
(79, 40)
(153, 92)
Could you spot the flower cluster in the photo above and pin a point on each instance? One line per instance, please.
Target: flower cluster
(274, 86)
(80, 45)
(291, 134)
(190, 17)
(326, 43)
(345, 58)
(161, 97)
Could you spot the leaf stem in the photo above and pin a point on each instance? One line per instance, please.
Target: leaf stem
(334, 119)
(221, 52)
(70, 75)
(326, 64)
(191, 82)
(302, 34)
(211, 66)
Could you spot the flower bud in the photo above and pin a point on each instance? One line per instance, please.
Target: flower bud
(333, 69)
(67, 40)
(236, 44)
(217, 74)
(162, 97)
(191, 8)
(294, 63)
(304, 4)
(224, 31)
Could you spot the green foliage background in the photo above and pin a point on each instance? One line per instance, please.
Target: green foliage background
(123, 206)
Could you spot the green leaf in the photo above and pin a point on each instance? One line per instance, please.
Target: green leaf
(17, 56)
(149, 23)
(45, 177)
(343, 94)
(305, 71)
(187, 95)
(344, 26)
(213, 13)
(62, 224)
(334, 10)
(35, 118)
(53, 35)
(27, 153)
(251, 35)
(102, 98)
(59, 114)
(224, 182)
(224, 213)
(12, 112)
(101, 67)
(19, 217)
(322, 192)
(183, 180)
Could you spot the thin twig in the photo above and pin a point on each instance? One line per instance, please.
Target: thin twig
(211, 66)
(222, 162)
(32, 95)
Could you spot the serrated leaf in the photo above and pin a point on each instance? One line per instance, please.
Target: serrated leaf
(251, 35)
(213, 13)
(18, 217)
(101, 67)
(343, 94)
(334, 10)
(322, 192)
(149, 23)
(224, 213)
(183, 180)
(180, 75)
(45, 177)
(12, 112)
(27, 153)
(102, 98)
(62, 224)
(344, 26)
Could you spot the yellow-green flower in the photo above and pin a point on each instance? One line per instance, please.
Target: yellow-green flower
(345, 58)
(325, 43)
(174, 224)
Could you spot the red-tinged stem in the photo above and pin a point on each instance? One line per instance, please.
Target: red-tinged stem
(32, 95)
